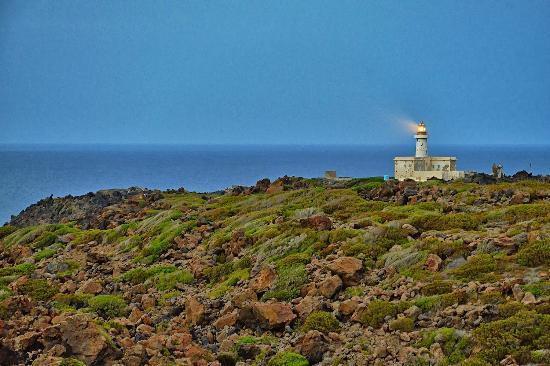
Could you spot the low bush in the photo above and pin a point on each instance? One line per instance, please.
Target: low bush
(437, 288)
(475, 267)
(222, 288)
(71, 302)
(517, 335)
(108, 306)
(169, 281)
(509, 309)
(289, 281)
(541, 288)
(454, 344)
(435, 302)
(38, 289)
(375, 312)
(535, 254)
(464, 221)
(288, 359)
(141, 274)
(322, 321)
(7, 230)
(402, 324)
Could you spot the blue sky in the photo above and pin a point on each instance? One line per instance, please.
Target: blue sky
(274, 72)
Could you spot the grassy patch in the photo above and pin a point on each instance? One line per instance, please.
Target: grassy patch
(169, 281)
(45, 253)
(19, 270)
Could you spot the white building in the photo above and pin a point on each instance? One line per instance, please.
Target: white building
(422, 167)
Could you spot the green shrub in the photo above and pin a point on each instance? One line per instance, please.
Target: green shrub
(222, 288)
(402, 324)
(289, 281)
(517, 335)
(169, 281)
(437, 288)
(71, 362)
(71, 302)
(474, 361)
(141, 274)
(322, 321)
(354, 291)
(535, 254)
(541, 288)
(7, 230)
(39, 290)
(443, 249)
(375, 312)
(435, 302)
(455, 345)
(464, 221)
(288, 359)
(475, 267)
(509, 309)
(108, 306)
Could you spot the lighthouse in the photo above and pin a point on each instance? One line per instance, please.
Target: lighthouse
(421, 140)
(421, 166)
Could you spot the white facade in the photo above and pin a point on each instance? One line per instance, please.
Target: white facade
(422, 167)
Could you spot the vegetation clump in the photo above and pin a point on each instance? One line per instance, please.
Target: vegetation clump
(38, 289)
(108, 306)
(518, 335)
(535, 254)
(475, 267)
(288, 359)
(322, 321)
(376, 311)
(402, 324)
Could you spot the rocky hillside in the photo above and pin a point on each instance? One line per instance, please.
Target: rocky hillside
(292, 272)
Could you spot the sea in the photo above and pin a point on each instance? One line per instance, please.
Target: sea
(29, 173)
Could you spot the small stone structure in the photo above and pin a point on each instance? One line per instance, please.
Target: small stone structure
(422, 167)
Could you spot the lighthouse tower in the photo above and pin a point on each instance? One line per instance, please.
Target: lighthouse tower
(421, 141)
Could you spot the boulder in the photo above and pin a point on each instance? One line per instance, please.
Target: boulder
(330, 286)
(313, 345)
(528, 299)
(308, 305)
(91, 287)
(227, 320)
(194, 311)
(433, 263)
(348, 268)
(273, 315)
(83, 336)
(348, 307)
(263, 280)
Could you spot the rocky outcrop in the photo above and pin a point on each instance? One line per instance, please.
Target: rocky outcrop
(423, 274)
